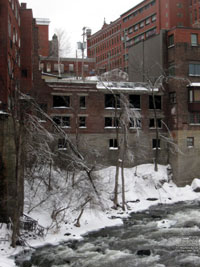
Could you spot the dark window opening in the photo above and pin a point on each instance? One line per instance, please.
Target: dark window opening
(62, 121)
(135, 123)
(61, 101)
(157, 100)
(155, 143)
(62, 144)
(172, 97)
(82, 121)
(134, 101)
(112, 101)
(41, 113)
(82, 102)
(113, 144)
(171, 40)
(152, 123)
(111, 122)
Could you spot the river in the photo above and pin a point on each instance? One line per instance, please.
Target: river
(164, 235)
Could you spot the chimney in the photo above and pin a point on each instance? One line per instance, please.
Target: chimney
(23, 5)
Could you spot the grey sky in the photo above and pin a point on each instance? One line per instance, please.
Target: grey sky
(73, 15)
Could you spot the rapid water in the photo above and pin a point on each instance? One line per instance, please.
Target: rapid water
(164, 235)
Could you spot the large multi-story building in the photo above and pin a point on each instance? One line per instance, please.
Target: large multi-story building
(10, 41)
(110, 44)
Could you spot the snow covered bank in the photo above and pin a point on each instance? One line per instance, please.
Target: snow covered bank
(143, 187)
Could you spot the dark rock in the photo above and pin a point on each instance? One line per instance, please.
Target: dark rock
(152, 199)
(144, 252)
(67, 234)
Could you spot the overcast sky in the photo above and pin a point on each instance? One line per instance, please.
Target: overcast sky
(73, 15)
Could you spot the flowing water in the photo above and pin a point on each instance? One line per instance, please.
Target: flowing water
(164, 235)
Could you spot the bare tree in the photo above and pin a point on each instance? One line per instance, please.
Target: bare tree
(63, 46)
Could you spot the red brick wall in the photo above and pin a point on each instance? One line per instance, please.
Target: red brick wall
(43, 31)
(27, 48)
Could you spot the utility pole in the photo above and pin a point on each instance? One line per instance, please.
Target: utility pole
(83, 48)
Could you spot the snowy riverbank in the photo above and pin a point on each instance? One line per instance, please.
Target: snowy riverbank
(144, 188)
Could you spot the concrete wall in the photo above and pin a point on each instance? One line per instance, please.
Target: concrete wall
(146, 59)
(185, 164)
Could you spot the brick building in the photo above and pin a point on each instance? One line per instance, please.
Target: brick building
(94, 127)
(110, 44)
(10, 41)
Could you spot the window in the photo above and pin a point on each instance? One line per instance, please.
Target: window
(194, 39)
(153, 18)
(112, 101)
(194, 118)
(61, 101)
(172, 97)
(152, 123)
(62, 121)
(135, 123)
(155, 143)
(111, 122)
(190, 141)
(134, 101)
(62, 144)
(194, 95)
(113, 145)
(157, 100)
(194, 69)
(40, 113)
(135, 28)
(71, 67)
(82, 102)
(48, 67)
(82, 122)
(86, 67)
(142, 24)
(57, 66)
(147, 21)
(171, 40)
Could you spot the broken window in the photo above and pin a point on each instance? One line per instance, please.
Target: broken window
(134, 101)
(157, 99)
(61, 101)
(112, 101)
(63, 121)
